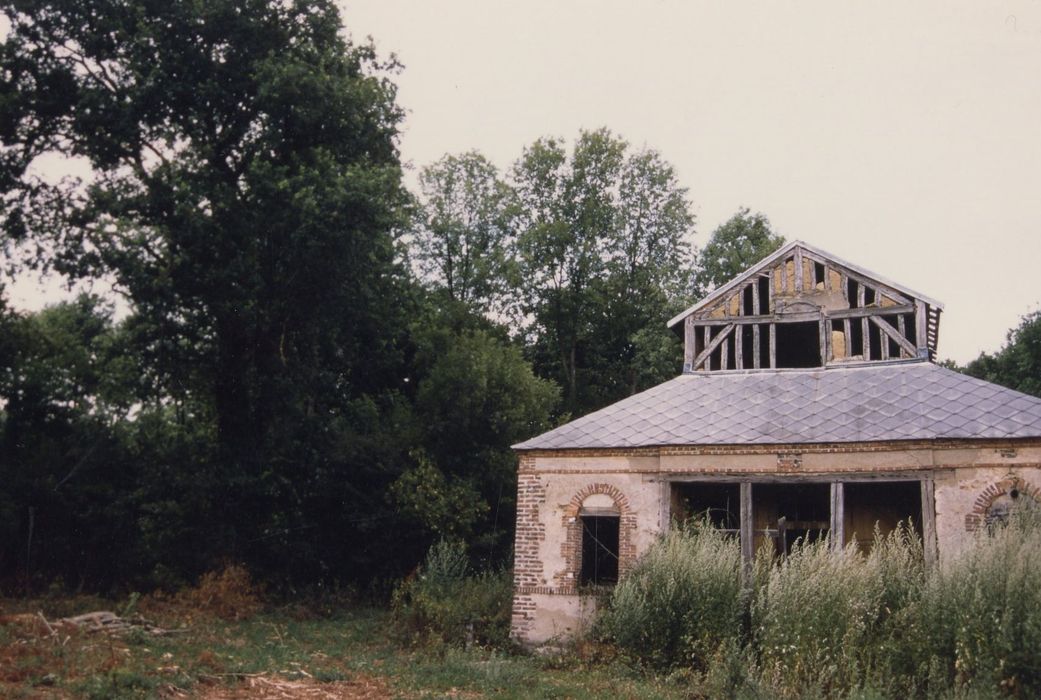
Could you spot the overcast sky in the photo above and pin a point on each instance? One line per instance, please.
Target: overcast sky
(904, 137)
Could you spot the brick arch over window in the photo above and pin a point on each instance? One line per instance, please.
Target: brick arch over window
(1010, 487)
(571, 547)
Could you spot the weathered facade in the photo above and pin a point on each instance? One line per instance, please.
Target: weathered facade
(809, 406)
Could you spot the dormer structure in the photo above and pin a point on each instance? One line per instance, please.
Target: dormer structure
(802, 307)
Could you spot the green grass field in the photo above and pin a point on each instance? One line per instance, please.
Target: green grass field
(285, 652)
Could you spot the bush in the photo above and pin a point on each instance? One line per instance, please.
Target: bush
(681, 601)
(229, 594)
(444, 601)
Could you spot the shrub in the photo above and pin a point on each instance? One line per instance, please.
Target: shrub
(682, 599)
(229, 594)
(444, 601)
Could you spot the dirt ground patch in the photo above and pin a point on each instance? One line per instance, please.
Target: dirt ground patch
(272, 687)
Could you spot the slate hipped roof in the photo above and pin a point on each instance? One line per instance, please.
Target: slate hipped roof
(882, 402)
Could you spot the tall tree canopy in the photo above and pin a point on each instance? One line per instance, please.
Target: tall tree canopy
(602, 240)
(463, 230)
(244, 186)
(737, 244)
(1018, 364)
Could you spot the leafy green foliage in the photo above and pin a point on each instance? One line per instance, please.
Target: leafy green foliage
(742, 241)
(1018, 364)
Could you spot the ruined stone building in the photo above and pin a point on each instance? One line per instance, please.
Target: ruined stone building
(809, 405)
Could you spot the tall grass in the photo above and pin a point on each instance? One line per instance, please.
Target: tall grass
(681, 601)
(826, 623)
(824, 620)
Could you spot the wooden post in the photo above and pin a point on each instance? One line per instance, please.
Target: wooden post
(755, 297)
(846, 328)
(920, 324)
(773, 346)
(747, 534)
(901, 325)
(798, 270)
(823, 332)
(688, 343)
(755, 346)
(770, 293)
(739, 349)
(724, 352)
(929, 520)
(837, 524)
(865, 333)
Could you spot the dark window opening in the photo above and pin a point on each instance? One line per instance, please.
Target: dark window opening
(764, 346)
(747, 347)
(788, 513)
(818, 270)
(798, 345)
(599, 550)
(746, 301)
(856, 337)
(869, 295)
(875, 338)
(764, 295)
(910, 332)
(880, 507)
(731, 344)
(719, 503)
(852, 288)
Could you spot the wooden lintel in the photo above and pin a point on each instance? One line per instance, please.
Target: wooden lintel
(895, 334)
(769, 318)
(871, 311)
(711, 346)
(814, 478)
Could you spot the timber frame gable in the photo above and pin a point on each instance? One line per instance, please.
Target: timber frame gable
(802, 307)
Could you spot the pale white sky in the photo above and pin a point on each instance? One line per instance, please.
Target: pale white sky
(904, 137)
